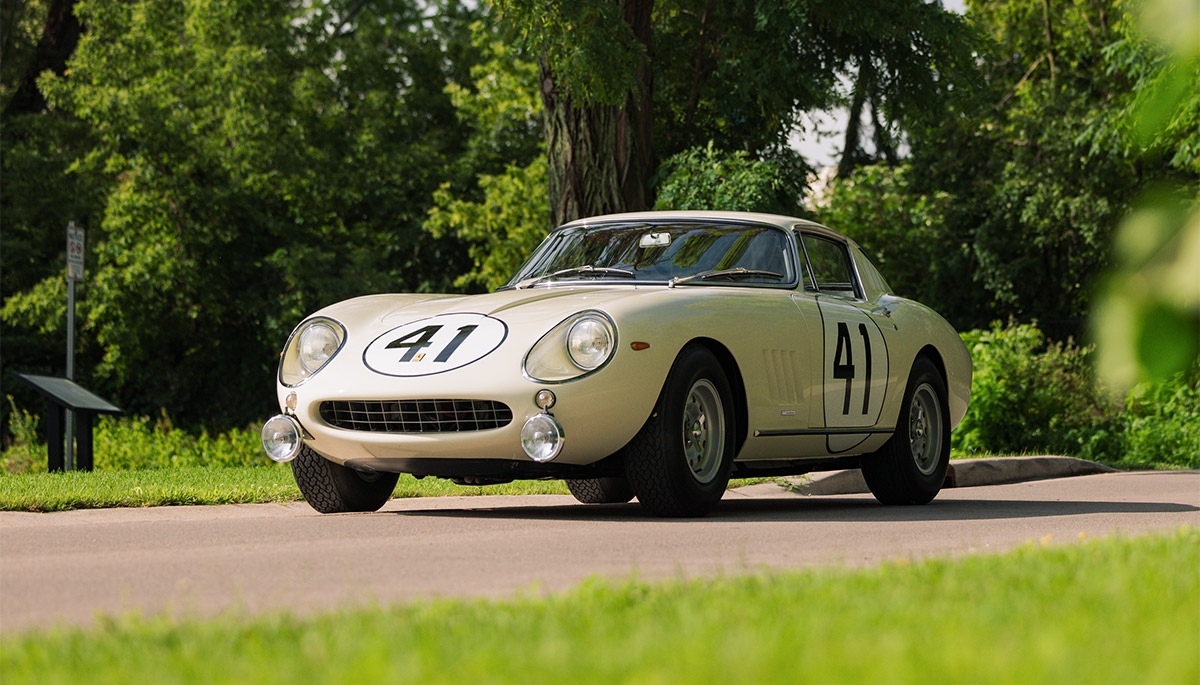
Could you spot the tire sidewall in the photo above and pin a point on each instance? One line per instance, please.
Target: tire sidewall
(694, 364)
(924, 372)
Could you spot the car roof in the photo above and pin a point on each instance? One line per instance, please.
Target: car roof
(784, 222)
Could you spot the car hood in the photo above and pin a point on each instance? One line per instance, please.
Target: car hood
(533, 306)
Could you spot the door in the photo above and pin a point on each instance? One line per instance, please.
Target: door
(854, 376)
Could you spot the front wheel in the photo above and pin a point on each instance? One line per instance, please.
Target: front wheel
(679, 462)
(332, 488)
(911, 467)
(607, 490)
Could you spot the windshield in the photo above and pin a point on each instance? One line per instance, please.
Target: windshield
(679, 252)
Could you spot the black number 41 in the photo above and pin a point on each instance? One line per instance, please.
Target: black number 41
(419, 339)
(845, 370)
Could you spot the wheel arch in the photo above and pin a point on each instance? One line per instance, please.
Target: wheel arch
(931, 353)
(737, 386)
(958, 384)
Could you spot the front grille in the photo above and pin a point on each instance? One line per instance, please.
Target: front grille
(416, 416)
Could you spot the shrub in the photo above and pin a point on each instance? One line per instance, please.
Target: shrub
(708, 178)
(1029, 394)
(138, 443)
(1032, 395)
(1162, 423)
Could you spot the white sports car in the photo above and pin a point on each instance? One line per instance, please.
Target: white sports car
(650, 355)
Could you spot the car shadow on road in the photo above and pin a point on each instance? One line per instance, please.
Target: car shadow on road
(818, 509)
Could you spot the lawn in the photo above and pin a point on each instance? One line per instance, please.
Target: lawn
(214, 485)
(1101, 611)
(203, 485)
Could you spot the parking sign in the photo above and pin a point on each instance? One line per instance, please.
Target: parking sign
(74, 252)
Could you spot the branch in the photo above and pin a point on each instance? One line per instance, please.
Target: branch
(337, 33)
(1023, 79)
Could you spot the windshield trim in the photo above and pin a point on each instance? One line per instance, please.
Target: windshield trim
(789, 237)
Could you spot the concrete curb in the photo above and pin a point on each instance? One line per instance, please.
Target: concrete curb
(964, 473)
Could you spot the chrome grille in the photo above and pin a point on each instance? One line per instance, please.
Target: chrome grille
(415, 416)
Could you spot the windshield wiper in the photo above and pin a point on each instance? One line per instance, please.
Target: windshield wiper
(738, 272)
(586, 270)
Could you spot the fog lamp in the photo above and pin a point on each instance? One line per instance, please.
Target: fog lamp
(542, 437)
(281, 438)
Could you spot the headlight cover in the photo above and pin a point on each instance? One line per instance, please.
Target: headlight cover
(590, 342)
(309, 349)
(579, 345)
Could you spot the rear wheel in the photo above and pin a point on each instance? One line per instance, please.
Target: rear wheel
(332, 488)
(911, 467)
(679, 462)
(610, 490)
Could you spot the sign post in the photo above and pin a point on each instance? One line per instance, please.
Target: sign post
(75, 243)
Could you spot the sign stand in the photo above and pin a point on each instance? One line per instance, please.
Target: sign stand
(64, 397)
(75, 243)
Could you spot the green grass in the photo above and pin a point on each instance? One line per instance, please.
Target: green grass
(145, 488)
(1104, 611)
(204, 485)
(213, 485)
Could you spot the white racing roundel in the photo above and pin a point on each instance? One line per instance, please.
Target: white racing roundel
(433, 345)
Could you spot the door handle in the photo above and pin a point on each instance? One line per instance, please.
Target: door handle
(881, 309)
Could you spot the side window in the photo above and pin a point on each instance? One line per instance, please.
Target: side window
(830, 265)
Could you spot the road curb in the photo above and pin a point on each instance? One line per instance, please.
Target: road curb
(964, 473)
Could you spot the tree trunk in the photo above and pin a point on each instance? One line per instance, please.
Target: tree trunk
(852, 155)
(601, 157)
(58, 41)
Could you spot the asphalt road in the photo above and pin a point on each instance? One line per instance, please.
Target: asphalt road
(67, 567)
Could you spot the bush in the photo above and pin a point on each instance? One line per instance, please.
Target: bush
(1031, 395)
(1162, 423)
(1028, 395)
(137, 443)
(711, 179)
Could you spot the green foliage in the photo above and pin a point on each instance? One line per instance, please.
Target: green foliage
(498, 204)
(1162, 423)
(718, 74)
(1147, 321)
(138, 442)
(1036, 168)
(902, 228)
(261, 159)
(502, 229)
(706, 178)
(589, 44)
(500, 107)
(21, 21)
(1030, 615)
(1029, 395)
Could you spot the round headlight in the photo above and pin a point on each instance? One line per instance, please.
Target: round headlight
(281, 438)
(542, 437)
(316, 345)
(590, 342)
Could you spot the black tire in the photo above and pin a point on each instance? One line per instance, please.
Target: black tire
(332, 488)
(657, 459)
(609, 490)
(911, 467)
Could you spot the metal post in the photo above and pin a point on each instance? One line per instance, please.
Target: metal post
(70, 451)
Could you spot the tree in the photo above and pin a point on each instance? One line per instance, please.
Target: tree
(1035, 181)
(59, 35)
(264, 159)
(703, 178)
(627, 83)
